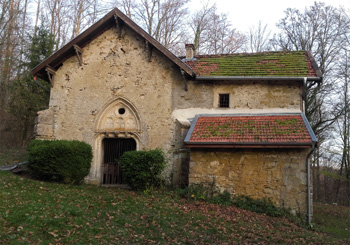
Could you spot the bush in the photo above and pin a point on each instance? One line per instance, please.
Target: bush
(59, 160)
(208, 192)
(142, 169)
(205, 192)
(258, 206)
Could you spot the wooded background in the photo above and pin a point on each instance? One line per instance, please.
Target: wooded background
(31, 30)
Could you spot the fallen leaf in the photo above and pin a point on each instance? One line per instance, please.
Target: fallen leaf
(52, 233)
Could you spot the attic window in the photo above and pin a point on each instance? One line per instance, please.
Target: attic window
(224, 100)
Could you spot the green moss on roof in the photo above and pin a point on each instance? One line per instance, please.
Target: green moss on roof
(296, 64)
(250, 129)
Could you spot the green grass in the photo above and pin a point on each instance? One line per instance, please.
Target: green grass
(333, 220)
(33, 212)
(13, 155)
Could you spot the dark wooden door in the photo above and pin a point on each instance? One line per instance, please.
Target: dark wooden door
(113, 150)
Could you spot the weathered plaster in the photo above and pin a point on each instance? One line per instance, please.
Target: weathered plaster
(259, 95)
(243, 94)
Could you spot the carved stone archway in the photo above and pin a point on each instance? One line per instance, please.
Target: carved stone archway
(117, 119)
(119, 116)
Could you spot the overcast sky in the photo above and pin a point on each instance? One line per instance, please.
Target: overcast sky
(246, 13)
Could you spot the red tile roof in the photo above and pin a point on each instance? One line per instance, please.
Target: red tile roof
(266, 64)
(248, 130)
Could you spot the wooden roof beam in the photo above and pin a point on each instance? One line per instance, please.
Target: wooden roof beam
(149, 48)
(119, 25)
(50, 73)
(79, 53)
(185, 79)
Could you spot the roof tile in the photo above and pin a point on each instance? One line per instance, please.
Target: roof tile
(259, 129)
(283, 64)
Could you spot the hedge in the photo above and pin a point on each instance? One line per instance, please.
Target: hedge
(59, 160)
(142, 169)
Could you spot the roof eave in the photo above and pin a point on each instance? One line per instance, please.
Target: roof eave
(67, 50)
(246, 145)
(309, 129)
(256, 78)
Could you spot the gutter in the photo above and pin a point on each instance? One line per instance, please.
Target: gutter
(234, 78)
(229, 145)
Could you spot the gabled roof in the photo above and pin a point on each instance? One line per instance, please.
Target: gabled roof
(113, 18)
(256, 65)
(249, 130)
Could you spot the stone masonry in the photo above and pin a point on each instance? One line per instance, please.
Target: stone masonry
(127, 85)
(279, 175)
(112, 74)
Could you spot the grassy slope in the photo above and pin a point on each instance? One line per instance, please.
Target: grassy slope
(333, 220)
(37, 212)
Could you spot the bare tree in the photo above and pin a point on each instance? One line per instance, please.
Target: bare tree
(234, 42)
(199, 24)
(37, 16)
(320, 28)
(342, 128)
(323, 30)
(54, 15)
(172, 31)
(67, 19)
(14, 26)
(162, 19)
(213, 33)
(258, 38)
(9, 41)
(85, 12)
(126, 6)
(221, 37)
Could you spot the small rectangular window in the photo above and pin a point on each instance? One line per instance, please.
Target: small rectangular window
(224, 100)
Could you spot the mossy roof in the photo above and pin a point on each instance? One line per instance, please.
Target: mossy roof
(266, 64)
(261, 130)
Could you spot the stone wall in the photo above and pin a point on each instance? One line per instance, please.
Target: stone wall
(114, 69)
(243, 94)
(43, 128)
(261, 173)
(116, 73)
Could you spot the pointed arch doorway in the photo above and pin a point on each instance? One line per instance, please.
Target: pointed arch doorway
(118, 129)
(113, 149)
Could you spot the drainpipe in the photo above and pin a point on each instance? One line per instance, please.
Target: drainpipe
(304, 94)
(309, 215)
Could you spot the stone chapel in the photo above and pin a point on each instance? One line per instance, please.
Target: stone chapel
(235, 120)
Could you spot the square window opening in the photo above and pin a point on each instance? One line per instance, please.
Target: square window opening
(224, 100)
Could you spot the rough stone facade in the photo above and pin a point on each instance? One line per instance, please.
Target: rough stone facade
(247, 95)
(120, 91)
(279, 175)
(115, 74)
